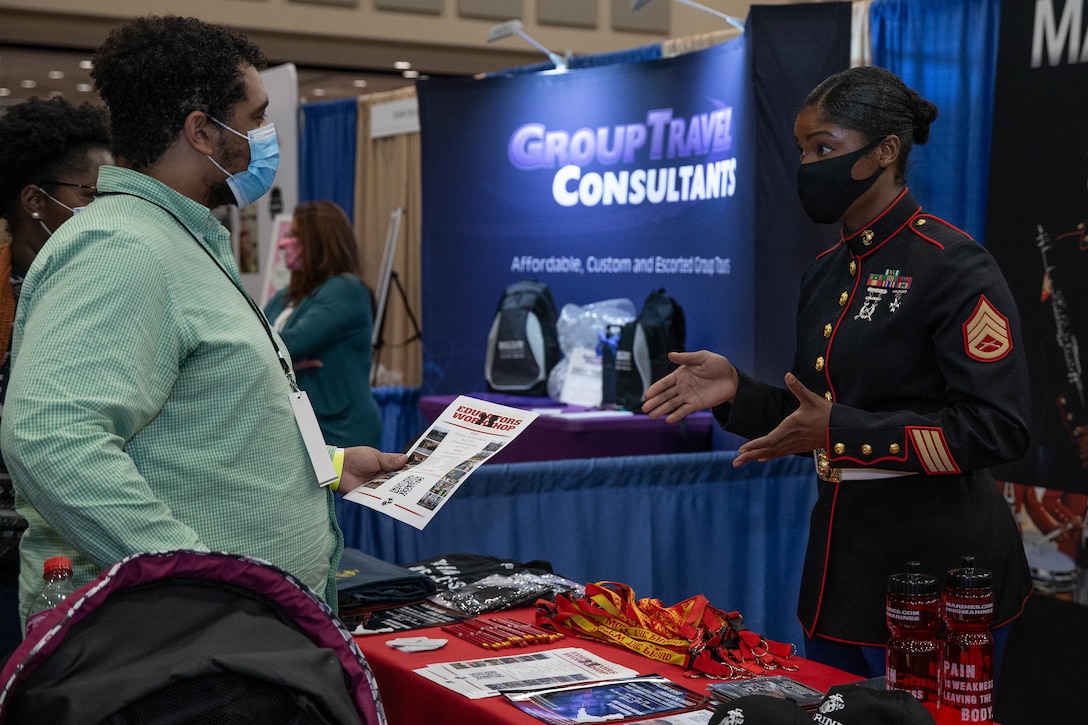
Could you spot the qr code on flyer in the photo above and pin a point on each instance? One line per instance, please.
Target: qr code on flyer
(406, 484)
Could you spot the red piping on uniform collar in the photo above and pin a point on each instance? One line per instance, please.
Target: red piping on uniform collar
(879, 216)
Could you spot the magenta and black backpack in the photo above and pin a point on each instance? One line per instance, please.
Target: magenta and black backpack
(190, 637)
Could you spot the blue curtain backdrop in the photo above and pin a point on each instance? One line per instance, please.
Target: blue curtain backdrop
(402, 422)
(947, 51)
(327, 152)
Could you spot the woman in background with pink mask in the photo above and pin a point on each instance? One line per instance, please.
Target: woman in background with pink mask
(325, 317)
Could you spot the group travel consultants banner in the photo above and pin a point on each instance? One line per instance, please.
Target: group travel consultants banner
(604, 182)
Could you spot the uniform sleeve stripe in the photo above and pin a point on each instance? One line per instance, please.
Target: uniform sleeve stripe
(933, 450)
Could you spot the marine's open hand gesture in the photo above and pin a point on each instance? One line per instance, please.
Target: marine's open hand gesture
(803, 430)
(703, 380)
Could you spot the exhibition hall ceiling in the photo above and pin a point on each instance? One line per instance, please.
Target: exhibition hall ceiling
(43, 72)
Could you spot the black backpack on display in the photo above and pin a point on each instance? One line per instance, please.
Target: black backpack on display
(642, 354)
(523, 345)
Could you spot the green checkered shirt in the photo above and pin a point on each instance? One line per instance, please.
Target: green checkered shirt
(147, 410)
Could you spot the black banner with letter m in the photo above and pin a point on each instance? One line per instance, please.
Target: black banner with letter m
(1036, 223)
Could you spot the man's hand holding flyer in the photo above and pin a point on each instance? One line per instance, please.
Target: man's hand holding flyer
(466, 435)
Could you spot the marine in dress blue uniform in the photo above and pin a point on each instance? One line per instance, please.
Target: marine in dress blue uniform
(908, 327)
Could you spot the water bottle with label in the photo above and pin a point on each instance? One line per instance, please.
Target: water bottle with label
(967, 653)
(913, 612)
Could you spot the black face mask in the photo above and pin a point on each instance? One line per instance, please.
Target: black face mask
(826, 187)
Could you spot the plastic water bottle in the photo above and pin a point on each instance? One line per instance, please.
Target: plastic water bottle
(967, 653)
(607, 346)
(913, 612)
(57, 573)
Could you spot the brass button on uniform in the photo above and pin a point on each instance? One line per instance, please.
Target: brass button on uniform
(827, 330)
(853, 268)
(866, 449)
(819, 363)
(828, 395)
(843, 298)
(840, 449)
(893, 448)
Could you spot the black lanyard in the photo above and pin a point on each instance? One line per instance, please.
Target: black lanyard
(253, 305)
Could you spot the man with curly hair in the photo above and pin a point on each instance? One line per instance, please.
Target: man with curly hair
(50, 152)
(150, 405)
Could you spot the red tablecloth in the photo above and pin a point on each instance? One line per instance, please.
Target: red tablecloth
(410, 699)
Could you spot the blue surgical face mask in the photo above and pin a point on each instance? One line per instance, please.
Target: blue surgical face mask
(75, 210)
(264, 159)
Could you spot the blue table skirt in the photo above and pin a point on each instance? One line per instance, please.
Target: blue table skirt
(671, 526)
(401, 419)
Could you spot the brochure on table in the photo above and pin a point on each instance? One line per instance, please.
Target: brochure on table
(489, 676)
(468, 433)
(698, 717)
(606, 701)
(582, 384)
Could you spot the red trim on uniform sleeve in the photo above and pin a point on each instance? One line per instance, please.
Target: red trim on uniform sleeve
(986, 334)
(932, 450)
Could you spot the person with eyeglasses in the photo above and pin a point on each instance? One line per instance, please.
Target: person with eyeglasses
(50, 153)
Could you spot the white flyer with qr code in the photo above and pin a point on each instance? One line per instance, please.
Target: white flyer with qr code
(467, 434)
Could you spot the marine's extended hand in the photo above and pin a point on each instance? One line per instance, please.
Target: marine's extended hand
(703, 380)
(362, 463)
(803, 430)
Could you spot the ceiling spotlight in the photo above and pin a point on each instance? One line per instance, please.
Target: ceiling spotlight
(402, 65)
(28, 83)
(735, 22)
(56, 75)
(84, 87)
(317, 91)
(86, 64)
(359, 83)
(514, 27)
(5, 92)
(410, 74)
